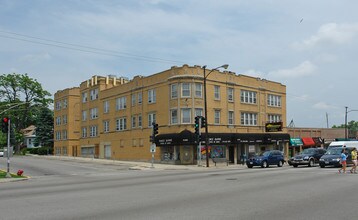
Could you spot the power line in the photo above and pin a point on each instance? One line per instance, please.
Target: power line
(83, 48)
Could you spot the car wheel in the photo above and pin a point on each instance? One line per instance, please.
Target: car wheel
(311, 163)
(264, 164)
(280, 163)
(249, 166)
(295, 165)
(322, 165)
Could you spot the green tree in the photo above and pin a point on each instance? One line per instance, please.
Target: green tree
(44, 128)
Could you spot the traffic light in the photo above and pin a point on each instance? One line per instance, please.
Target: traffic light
(155, 128)
(197, 129)
(203, 122)
(5, 125)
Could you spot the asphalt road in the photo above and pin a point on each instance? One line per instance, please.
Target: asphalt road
(83, 190)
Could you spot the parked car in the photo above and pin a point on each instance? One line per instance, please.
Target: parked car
(333, 156)
(1, 153)
(265, 159)
(309, 156)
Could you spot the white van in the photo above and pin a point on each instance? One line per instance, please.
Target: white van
(343, 143)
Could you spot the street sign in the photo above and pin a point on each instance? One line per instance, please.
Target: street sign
(153, 148)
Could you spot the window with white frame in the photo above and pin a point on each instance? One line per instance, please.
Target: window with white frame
(185, 115)
(216, 92)
(151, 119)
(174, 91)
(174, 116)
(152, 96)
(106, 106)
(185, 90)
(58, 135)
(84, 115)
(65, 103)
(58, 120)
(94, 113)
(274, 100)
(134, 121)
(93, 131)
(140, 121)
(230, 94)
(58, 105)
(248, 118)
(84, 132)
(140, 98)
(217, 116)
(105, 126)
(248, 97)
(274, 118)
(64, 134)
(94, 94)
(133, 99)
(121, 124)
(64, 119)
(231, 118)
(121, 103)
(198, 90)
(84, 97)
(198, 112)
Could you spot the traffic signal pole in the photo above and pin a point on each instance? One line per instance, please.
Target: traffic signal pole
(199, 145)
(8, 175)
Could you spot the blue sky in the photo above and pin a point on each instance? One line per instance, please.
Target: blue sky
(309, 46)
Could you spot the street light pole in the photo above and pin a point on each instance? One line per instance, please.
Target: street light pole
(225, 66)
(345, 121)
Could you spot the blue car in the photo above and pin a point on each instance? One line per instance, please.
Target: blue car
(267, 158)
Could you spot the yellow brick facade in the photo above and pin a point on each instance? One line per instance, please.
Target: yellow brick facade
(109, 117)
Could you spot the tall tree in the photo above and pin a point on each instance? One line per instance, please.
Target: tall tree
(44, 128)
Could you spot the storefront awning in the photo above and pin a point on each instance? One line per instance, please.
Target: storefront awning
(294, 142)
(307, 141)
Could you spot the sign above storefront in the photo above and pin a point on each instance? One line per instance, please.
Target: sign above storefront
(273, 126)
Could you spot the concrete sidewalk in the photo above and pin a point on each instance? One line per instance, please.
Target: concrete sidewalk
(139, 165)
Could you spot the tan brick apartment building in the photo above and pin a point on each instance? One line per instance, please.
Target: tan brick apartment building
(110, 117)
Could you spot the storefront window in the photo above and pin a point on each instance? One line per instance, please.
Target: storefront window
(218, 152)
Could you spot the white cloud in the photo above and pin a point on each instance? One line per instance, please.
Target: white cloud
(323, 105)
(304, 69)
(330, 33)
(36, 58)
(254, 73)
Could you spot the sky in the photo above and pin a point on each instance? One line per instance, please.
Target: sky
(309, 46)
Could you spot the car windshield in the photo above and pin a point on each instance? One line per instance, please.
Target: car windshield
(264, 153)
(308, 151)
(334, 151)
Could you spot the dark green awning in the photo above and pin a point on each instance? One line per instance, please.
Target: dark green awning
(294, 142)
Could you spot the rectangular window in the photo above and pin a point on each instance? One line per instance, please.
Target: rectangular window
(84, 97)
(105, 126)
(93, 131)
(174, 91)
(248, 97)
(274, 100)
(217, 92)
(64, 119)
(84, 132)
(248, 118)
(198, 90)
(152, 97)
(84, 115)
(94, 113)
(231, 118)
(64, 134)
(58, 105)
(185, 115)
(230, 94)
(105, 106)
(217, 117)
(140, 98)
(185, 90)
(94, 94)
(198, 112)
(58, 120)
(65, 103)
(139, 121)
(274, 118)
(174, 116)
(151, 119)
(134, 121)
(121, 103)
(58, 135)
(133, 99)
(121, 124)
